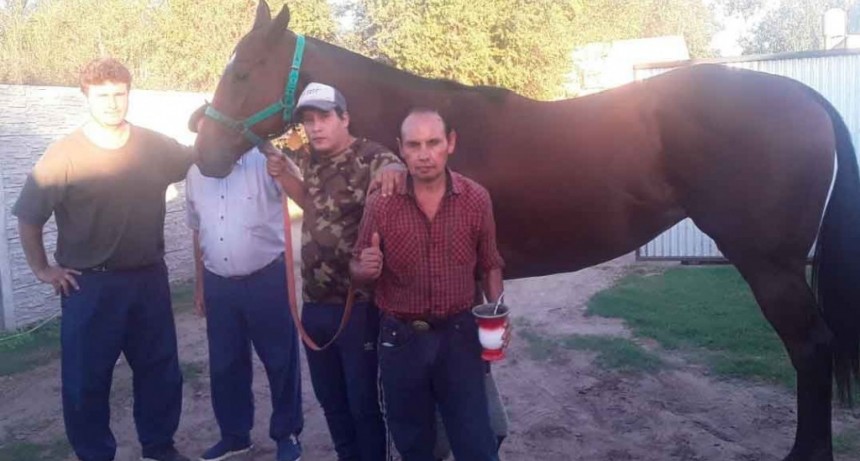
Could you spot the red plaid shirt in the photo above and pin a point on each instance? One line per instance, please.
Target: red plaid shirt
(429, 266)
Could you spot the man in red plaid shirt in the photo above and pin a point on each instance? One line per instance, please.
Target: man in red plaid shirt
(433, 239)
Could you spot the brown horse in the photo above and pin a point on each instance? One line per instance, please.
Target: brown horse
(748, 156)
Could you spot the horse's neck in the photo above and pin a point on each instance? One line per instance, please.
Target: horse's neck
(390, 82)
(379, 97)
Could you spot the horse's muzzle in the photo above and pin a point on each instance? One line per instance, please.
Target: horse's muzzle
(215, 165)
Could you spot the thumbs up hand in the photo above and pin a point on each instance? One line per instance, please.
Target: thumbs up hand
(370, 260)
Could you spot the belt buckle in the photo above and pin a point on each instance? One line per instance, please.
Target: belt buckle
(420, 325)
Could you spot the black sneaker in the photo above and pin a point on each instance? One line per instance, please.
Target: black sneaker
(167, 454)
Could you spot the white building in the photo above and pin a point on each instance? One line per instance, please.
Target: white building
(598, 66)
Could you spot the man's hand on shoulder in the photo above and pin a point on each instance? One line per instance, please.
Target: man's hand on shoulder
(389, 180)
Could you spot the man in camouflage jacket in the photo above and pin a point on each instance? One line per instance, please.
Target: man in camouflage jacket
(331, 189)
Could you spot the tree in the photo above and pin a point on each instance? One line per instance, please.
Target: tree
(49, 42)
(522, 45)
(794, 25)
(193, 40)
(174, 44)
(607, 20)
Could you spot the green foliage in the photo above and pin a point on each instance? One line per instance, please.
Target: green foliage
(183, 44)
(796, 25)
(50, 42)
(710, 310)
(167, 44)
(312, 17)
(195, 39)
(522, 45)
(605, 20)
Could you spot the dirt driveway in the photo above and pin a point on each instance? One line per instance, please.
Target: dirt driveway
(561, 408)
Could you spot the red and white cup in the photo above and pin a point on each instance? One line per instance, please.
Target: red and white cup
(491, 330)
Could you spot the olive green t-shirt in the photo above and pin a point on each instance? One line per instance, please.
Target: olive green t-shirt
(109, 204)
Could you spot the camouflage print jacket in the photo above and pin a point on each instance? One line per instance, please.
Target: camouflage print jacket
(336, 188)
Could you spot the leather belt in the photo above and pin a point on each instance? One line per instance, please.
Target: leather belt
(106, 268)
(425, 322)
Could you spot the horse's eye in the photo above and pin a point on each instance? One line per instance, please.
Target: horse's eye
(241, 76)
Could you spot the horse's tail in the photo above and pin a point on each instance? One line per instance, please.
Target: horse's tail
(836, 268)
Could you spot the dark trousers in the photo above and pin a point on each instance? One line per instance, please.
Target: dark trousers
(113, 312)
(239, 313)
(442, 367)
(344, 377)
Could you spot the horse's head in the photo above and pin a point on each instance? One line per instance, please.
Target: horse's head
(250, 102)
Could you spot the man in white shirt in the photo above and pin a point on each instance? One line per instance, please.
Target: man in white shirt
(238, 228)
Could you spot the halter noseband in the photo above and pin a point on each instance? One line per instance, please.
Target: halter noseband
(287, 104)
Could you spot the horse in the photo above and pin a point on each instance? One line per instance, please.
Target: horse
(762, 164)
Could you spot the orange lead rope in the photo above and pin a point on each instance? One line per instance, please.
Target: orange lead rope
(291, 286)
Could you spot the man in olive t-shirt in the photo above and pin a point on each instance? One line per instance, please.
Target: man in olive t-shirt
(105, 183)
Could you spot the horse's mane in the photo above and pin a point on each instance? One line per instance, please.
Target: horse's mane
(387, 73)
(494, 93)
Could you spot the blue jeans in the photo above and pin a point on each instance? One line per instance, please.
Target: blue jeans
(117, 312)
(344, 378)
(241, 312)
(442, 367)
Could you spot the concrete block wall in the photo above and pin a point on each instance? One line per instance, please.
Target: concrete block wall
(31, 119)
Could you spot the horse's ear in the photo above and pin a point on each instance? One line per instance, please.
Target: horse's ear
(264, 15)
(282, 20)
(279, 25)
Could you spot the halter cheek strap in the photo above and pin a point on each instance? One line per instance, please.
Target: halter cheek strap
(286, 104)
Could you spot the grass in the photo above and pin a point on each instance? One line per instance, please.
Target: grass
(540, 347)
(192, 371)
(708, 309)
(612, 353)
(25, 451)
(25, 352)
(183, 296)
(616, 353)
(847, 442)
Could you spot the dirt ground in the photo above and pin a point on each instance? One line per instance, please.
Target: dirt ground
(566, 408)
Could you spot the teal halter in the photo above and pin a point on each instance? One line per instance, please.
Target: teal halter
(287, 104)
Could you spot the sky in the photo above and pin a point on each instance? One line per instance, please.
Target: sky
(725, 41)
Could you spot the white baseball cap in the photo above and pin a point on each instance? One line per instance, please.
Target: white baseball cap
(320, 96)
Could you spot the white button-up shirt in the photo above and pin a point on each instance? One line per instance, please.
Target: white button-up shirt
(239, 218)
